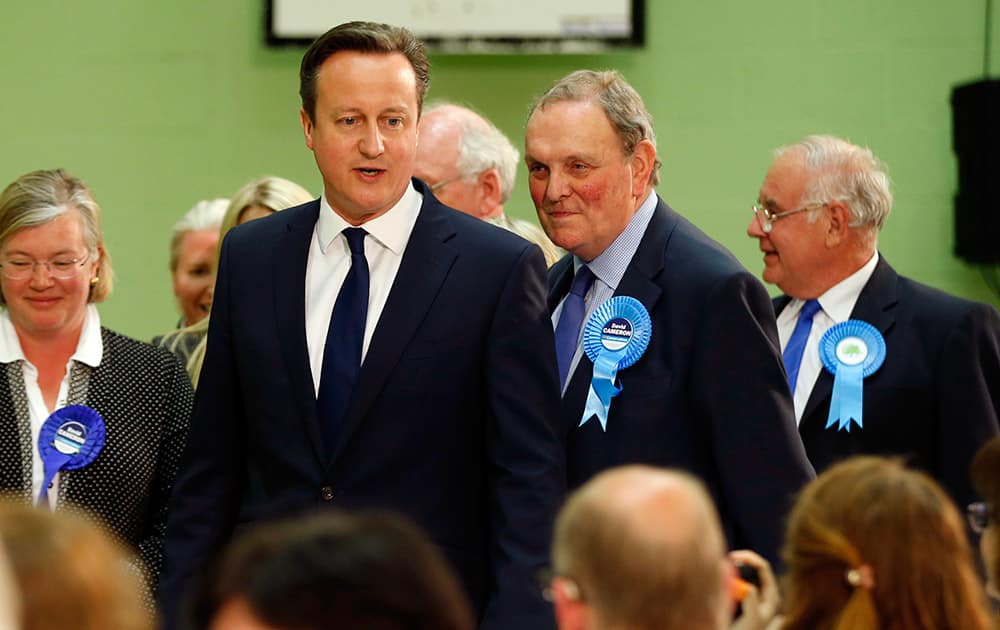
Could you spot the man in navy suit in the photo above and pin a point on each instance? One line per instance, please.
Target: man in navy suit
(936, 397)
(377, 349)
(708, 395)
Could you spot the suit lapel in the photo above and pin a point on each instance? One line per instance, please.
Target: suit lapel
(288, 260)
(876, 305)
(560, 279)
(638, 282)
(422, 272)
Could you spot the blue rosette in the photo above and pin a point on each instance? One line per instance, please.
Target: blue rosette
(615, 336)
(70, 438)
(851, 351)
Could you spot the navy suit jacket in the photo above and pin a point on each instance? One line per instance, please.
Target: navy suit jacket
(936, 398)
(708, 396)
(452, 423)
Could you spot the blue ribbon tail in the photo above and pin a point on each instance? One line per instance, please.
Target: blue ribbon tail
(846, 399)
(602, 388)
(53, 463)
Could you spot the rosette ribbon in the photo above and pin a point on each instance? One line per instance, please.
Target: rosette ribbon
(615, 336)
(851, 351)
(70, 438)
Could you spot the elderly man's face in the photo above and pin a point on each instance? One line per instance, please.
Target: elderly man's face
(437, 164)
(364, 135)
(794, 249)
(584, 187)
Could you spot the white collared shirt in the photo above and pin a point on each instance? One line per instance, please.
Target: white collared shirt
(89, 350)
(835, 307)
(330, 260)
(608, 269)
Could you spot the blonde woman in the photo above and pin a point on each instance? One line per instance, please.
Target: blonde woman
(258, 199)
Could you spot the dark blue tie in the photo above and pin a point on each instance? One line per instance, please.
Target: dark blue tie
(797, 342)
(344, 339)
(570, 320)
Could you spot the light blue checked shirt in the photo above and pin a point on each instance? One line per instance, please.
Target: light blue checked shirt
(608, 269)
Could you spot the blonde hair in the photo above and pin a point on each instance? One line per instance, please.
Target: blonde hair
(39, 197)
(70, 573)
(900, 533)
(271, 192)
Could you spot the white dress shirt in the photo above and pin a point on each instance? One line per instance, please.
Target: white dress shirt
(89, 350)
(608, 269)
(330, 260)
(835, 307)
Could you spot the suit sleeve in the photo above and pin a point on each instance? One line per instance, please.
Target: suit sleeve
(527, 469)
(741, 389)
(176, 414)
(967, 380)
(209, 487)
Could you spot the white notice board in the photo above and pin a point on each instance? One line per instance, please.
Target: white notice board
(473, 25)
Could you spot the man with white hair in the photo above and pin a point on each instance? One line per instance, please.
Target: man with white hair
(465, 160)
(640, 547)
(935, 398)
(471, 165)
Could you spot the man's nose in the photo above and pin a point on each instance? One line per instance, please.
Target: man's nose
(755, 230)
(371, 145)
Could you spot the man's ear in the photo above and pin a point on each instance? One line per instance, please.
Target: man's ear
(307, 127)
(642, 160)
(838, 224)
(490, 193)
(572, 613)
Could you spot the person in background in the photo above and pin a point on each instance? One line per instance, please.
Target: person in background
(192, 259)
(70, 574)
(935, 399)
(471, 166)
(10, 594)
(641, 548)
(334, 570)
(985, 472)
(377, 349)
(708, 394)
(70, 379)
(872, 545)
(257, 199)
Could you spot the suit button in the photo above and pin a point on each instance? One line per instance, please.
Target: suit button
(327, 492)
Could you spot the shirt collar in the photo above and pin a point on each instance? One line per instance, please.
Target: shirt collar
(839, 300)
(609, 266)
(391, 229)
(89, 349)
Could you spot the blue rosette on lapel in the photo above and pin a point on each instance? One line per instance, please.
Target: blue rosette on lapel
(70, 438)
(851, 351)
(615, 336)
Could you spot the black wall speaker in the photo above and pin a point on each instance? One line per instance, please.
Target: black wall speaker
(975, 108)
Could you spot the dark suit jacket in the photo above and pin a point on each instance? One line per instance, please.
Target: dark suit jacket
(452, 422)
(709, 394)
(145, 397)
(936, 398)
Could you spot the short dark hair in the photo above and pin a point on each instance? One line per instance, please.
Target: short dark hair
(364, 37)
(337, 570)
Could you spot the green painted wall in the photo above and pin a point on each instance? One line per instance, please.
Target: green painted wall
(158, 104)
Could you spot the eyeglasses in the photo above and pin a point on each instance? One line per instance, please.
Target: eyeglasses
(60, 268)
(979, 515)
(767, 218)
(441, 184)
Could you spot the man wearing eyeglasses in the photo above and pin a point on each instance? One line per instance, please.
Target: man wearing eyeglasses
(470, 166)
(936, 396)
(707, 395)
